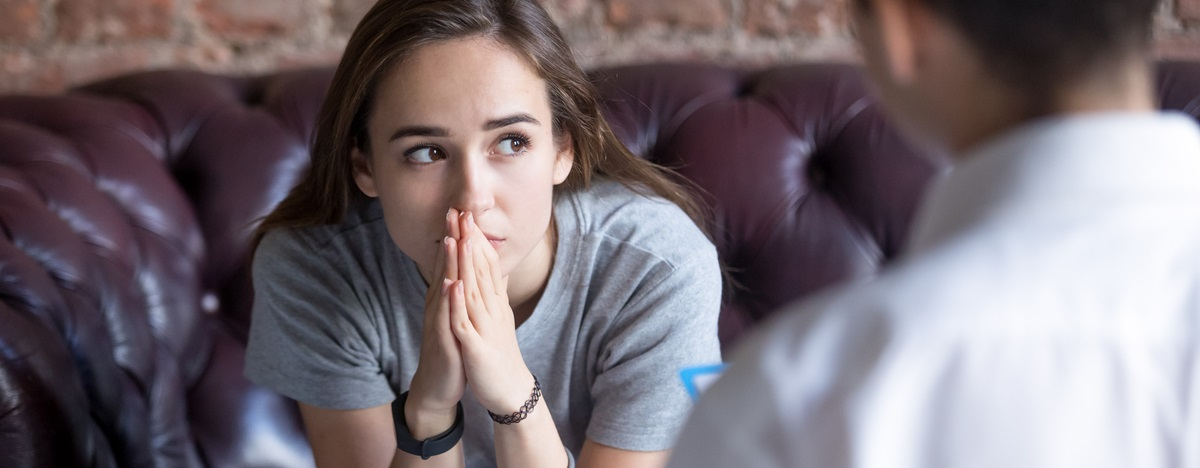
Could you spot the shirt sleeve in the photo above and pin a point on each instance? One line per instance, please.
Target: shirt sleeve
(735, 424)
(669, 323)
(311, 338)
(792, 370)
(858, 387)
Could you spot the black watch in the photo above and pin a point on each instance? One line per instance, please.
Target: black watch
(435, 445)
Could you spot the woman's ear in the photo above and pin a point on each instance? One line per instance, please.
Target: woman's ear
(564, 159)
(363, 176)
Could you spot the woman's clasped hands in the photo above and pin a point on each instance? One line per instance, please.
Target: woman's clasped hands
(469, 334)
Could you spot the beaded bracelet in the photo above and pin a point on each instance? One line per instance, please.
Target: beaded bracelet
(519, 415)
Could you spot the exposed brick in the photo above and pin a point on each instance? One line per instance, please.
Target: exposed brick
(84, 66)
(21, 72)
(313, 58)
(685, 14)
(347, 13)
(46, 45)
(26, 72)
(565, 9)
(257, 19)
(795, 17)
(206, 56)
(104, 21)
(21, 22)
(1178, 47)
(1188, 10)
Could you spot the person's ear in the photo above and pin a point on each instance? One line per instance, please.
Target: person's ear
(565, 159)
(901, 24)
(363, 175)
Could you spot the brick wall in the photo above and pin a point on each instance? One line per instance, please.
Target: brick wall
(48, 45)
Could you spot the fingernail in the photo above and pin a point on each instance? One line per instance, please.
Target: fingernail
(446, 240)
(446, 284)
(471, 219)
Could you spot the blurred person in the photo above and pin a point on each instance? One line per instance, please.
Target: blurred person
(475, 271)
(1046, 312)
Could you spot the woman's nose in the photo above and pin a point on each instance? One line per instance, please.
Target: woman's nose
(473, 192)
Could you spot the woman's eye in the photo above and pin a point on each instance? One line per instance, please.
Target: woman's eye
(424, 154)
(512, 145)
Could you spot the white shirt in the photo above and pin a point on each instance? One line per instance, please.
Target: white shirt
(1046, 314)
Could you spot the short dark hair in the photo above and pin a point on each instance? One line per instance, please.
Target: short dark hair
(1038, 45)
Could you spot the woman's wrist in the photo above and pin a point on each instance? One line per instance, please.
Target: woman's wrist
(515, 395)
(429, 399)
(424, 422)
(425, 447)
(535, 395)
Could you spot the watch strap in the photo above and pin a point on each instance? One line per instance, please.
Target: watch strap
(432, 446)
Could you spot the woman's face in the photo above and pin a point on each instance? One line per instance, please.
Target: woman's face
(463, 124)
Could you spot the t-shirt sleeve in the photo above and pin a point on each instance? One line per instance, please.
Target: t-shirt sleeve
(669, 323)
(311, 339)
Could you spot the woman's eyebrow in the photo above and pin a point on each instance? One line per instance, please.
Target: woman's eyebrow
(421, 130)
(512, 119)
(417, 130)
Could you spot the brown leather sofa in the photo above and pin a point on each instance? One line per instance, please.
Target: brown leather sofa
(126, 207)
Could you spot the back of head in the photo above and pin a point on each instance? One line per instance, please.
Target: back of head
(1037, 46)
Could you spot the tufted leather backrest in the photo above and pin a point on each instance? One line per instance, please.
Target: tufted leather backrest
(807, 183)
(126, 208)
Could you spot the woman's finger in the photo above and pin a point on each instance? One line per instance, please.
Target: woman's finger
(497, 273)
(444, 310)
(445, 323)
(466, 269)
(469, 229)
(487, 256)
(491, 280)
(452, 223)
(466, 264)
(483, 274)
(438, 273)
(450, 248)
(460, 319)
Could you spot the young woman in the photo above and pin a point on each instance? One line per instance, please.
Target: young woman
(475, 270)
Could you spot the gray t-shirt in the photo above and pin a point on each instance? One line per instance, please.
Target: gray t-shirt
(632, 298)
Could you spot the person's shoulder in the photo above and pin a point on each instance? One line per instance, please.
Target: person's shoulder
(638, 218)
(909, 299)
(605, 196)
(362, 221)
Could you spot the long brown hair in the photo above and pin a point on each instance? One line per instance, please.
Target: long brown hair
(390, 32)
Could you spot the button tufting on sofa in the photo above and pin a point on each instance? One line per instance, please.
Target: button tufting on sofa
(126, 209)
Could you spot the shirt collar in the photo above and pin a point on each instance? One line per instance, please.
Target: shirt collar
(1062, 163)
